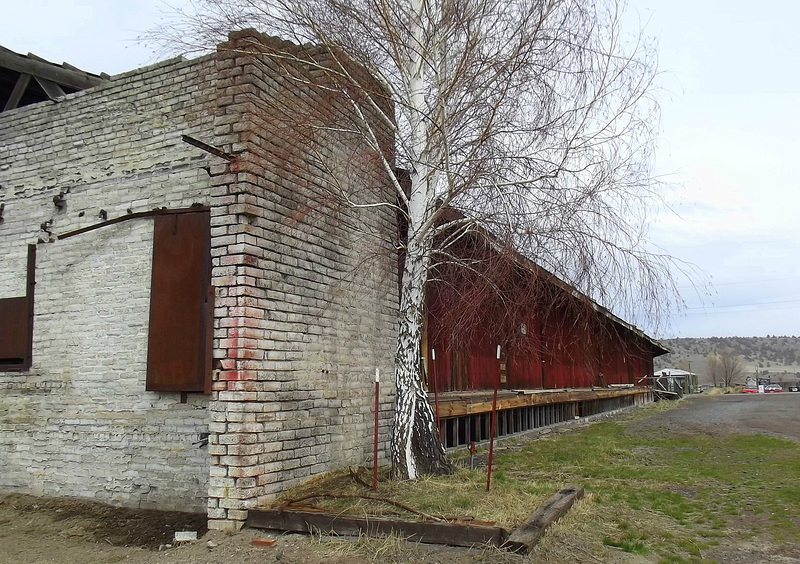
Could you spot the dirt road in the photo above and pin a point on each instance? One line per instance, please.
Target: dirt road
(76, 532)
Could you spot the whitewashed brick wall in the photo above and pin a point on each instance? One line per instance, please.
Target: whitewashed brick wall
(306, 300)
(305, 303)
(80, 422)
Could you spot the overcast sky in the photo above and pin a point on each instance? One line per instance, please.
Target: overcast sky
(730, 137)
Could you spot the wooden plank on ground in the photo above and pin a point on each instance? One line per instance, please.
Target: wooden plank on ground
(525, 537)
(453, 534)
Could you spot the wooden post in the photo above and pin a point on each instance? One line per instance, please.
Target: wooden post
(525, 537)
(494, 422)
(375, 437)
(436, 391)
(433, 532)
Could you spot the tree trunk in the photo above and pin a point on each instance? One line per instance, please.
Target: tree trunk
(416, 447)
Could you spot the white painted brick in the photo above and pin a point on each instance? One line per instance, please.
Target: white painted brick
(295, 400)
(81, 423)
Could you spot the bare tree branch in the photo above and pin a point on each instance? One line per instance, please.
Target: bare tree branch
(535, 119)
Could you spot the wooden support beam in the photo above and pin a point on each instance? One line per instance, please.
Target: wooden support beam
(50, 88)
(525, 537)
(452, 534)
(17, 92)
(39, 68)
(456, 405)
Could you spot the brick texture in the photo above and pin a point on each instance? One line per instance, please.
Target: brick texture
(306, 287)
(79, 423)
(305, 300)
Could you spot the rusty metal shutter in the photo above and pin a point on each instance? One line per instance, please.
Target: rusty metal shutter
(181, 304)
(13, 333)
(16, 324)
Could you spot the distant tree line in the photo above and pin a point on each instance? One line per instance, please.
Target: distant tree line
(759, 351)
(761, 356)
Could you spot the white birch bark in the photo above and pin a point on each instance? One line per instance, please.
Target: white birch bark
(416, 447)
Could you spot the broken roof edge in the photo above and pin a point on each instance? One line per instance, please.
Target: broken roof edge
(172, 61)
(63, 74)
(15, 61)
(325, 57)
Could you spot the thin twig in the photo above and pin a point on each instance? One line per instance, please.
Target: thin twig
(357, 477)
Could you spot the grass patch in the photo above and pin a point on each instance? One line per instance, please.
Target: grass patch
(649, 493)
(628, 543)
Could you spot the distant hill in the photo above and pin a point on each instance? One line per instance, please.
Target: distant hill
(776, 357)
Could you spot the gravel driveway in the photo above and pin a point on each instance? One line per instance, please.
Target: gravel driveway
(771, 414)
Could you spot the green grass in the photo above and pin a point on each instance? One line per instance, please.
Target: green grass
(653, 494)
(628, 543)
(692, 482)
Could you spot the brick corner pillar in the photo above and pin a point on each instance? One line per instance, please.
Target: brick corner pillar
(239, 314)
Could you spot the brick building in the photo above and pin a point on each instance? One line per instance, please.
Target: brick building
(121, 205)
(190, 320)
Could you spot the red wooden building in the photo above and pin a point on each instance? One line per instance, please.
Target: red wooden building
(562, 348)
(558, 348)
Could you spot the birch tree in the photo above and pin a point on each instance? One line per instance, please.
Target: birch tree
(534, 118)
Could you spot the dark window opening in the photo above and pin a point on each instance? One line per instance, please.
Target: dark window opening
(16, 324)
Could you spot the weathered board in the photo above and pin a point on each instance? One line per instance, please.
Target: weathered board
(528, 534)
(453, 534)
(454, 405)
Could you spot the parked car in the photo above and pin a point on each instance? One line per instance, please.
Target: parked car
(749, 390)
(772, 388)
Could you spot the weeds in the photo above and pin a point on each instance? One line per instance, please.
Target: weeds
(651, 494)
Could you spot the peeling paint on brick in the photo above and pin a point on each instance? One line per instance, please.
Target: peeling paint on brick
(301, 318)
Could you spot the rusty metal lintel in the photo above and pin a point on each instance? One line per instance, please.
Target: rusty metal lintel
(207, 148)
(137, 215)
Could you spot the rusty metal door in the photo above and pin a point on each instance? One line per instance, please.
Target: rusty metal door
(178, 351)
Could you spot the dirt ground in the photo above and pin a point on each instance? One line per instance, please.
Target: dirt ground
(764, 414)
(64, 531)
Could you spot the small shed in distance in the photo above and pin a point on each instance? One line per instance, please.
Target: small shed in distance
(675, 381)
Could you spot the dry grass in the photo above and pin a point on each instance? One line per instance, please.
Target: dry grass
(655, 496)
(386, 548)
(461, 496)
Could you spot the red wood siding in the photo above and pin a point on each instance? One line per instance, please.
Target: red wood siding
(563, 348)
